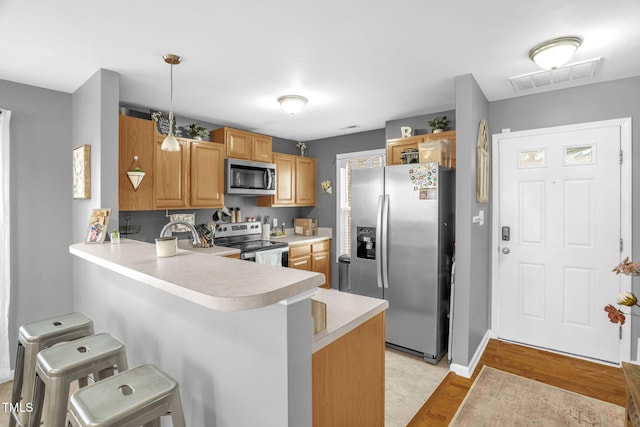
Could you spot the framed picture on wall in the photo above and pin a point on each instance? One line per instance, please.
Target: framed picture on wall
(98, 224)
(82, 172)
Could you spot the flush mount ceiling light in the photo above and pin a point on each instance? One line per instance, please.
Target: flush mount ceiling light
(170, 143)
(292, 104)
(555, 53)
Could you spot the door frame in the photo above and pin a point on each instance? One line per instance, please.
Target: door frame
(625, 210)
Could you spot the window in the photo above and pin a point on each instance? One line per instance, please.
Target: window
(345, 163)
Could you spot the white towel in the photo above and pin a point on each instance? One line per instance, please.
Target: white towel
(269, 257)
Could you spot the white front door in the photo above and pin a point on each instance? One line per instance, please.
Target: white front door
(559, 219)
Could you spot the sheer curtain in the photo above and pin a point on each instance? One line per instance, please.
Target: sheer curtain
(5, 275)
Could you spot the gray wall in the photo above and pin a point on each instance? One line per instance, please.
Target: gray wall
(473, 277)
(40, 155)
(601, 101)
(419, 124)
(95, 122)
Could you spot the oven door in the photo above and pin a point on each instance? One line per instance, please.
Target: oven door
(247, 178)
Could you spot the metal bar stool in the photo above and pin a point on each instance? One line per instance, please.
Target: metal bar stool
(139, 396)
(32, 338)
(57, 367)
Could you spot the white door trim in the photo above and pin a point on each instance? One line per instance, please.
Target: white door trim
(625, 210)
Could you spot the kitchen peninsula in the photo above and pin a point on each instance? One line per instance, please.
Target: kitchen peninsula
(238, 336)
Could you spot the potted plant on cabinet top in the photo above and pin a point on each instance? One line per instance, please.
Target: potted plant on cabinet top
(198, 132)
(439, 124)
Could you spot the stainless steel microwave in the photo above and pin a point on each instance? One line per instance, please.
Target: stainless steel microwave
(247, 178)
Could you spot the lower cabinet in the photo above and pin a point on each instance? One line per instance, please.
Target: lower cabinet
(348, 378)
(312, 257)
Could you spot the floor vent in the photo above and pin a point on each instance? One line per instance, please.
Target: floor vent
(576, 72)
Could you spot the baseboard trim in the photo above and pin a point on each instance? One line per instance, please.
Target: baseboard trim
(6, 376)
(467, 371)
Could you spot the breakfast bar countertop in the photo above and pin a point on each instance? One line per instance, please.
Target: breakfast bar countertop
(215, 282)
(345, 312)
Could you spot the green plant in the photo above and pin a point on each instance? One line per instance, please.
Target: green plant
(197, 130)
(439, 123)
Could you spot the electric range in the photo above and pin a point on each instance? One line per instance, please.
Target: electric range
(247, 236)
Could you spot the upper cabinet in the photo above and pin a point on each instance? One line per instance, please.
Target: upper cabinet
(191, 177)
(135, 139)
(396, 146)
(245, 145)
(295, 182)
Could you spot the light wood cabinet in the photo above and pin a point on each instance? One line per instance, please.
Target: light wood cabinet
(207, 175)
(191, 177)
(245, 145)
(170, 187)
(348, 378)
(295, 182)
(314, 257)
(135, 139)
(305, 181)
(396, 146)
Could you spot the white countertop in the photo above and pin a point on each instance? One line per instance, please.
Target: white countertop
(215, 282)
(324, 233)
(345, 312)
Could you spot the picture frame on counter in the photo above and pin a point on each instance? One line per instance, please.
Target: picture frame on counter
(98, 225)
(82, 172)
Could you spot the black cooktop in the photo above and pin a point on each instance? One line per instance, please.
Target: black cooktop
(250, 245)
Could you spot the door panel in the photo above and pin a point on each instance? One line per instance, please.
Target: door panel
(367, 186)
(560, 194)
(412, 317)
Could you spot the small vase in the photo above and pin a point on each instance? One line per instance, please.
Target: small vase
(302, 152)
(438, 130)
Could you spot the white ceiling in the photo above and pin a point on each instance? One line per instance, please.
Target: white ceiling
(359, 62)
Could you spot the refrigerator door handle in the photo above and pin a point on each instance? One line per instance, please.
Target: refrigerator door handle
(379, 226)
(384, 242)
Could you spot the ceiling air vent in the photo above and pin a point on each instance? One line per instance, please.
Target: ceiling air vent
(350, 127)
(570, 73)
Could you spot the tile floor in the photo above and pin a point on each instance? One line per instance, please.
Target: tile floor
(409, 382)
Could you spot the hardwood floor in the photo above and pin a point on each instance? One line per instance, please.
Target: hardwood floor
(587, 378)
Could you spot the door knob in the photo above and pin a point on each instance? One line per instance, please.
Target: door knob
(505, 251)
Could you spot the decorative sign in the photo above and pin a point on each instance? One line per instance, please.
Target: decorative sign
(162, 122)
(482, 165)
(405, 131)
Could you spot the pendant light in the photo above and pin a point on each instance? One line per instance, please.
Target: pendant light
(292, 104)
(555, 53)
(170, 143)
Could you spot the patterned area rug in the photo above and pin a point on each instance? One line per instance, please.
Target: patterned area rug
(499, 398)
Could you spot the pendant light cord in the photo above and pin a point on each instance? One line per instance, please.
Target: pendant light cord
(171, 103)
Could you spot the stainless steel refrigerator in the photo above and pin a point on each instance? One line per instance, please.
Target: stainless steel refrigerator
(402, 243)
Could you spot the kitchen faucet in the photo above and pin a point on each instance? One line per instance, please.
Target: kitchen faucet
(166, 230)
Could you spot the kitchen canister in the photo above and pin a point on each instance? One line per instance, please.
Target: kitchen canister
(166, 246)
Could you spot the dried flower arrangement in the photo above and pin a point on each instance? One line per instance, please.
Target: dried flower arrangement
(627, 299)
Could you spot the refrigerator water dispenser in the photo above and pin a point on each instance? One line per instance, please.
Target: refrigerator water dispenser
(366, 242)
